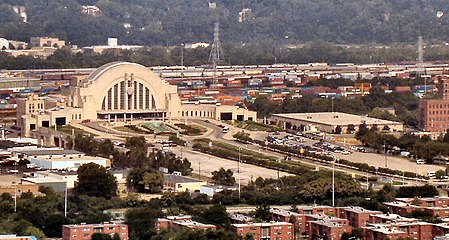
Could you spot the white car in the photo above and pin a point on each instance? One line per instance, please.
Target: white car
(345, 152)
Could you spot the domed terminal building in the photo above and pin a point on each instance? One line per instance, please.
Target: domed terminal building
(117, 91)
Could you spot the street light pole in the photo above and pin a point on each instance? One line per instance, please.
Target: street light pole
(15, 187)
(385, 153)
(15, 196)
(333, 183)
(238, 171)
(65, 200)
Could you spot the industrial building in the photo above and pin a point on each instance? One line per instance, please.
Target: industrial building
(332, 122)
(59, 159)
(16, 84)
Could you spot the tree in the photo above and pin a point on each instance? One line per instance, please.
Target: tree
(106, 148)
(223, 177)
(86, 144)
(338, 129)
(116, 236)
(216, 215)
(145, 180)
(440, 174)
(142, 222)
(101, 236)
(153, 182)
(95, 180)
(263, 213)
(34, 231)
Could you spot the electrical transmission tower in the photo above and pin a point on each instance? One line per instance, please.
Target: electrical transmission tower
(216, 52)
(420, 64)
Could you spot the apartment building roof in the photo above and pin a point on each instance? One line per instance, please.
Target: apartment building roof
(264, 224)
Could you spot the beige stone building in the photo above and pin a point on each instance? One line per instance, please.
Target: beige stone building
(46, 42)
(117, 91)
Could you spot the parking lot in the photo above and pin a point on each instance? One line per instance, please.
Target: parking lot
(352, 154)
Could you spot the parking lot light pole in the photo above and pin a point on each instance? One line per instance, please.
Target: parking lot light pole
(238, 171)
(333, 182)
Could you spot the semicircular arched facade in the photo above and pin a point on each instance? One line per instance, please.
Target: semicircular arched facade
(124, 90)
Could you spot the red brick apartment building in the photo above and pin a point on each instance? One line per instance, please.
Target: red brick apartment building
(266, 231)
(307, 214)
(327, 230)
(381, 232)
(85, 231)
(414, 230)
(437, 206)
(358, 217)
(433, 114)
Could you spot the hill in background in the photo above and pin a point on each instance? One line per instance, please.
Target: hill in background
(171, 22)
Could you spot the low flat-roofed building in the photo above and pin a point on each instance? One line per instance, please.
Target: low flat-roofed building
(15, 237)
(46, 42)
(56, 180)
(14, 185)
(210, 190)
(332, 122)
(60, 159)
(85, 231)
(178, 183)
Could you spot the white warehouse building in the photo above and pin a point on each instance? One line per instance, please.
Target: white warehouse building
(60, 159)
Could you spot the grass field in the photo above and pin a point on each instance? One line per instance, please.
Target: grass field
(70, 129)
(255, 126)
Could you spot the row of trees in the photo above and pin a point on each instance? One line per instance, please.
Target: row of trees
(254, 54)
(420, 147)
(138, 155)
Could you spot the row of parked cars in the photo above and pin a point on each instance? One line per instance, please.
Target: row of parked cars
(331, 148)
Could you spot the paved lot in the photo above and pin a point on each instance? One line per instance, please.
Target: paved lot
(211, 163)
(374, 159)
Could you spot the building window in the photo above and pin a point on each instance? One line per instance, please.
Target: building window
(116, 96)
(147, 98)
(122, 95)
(141, 96)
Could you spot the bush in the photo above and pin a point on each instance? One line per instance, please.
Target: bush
(242, 136)
(190, 129)
(177, 140)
